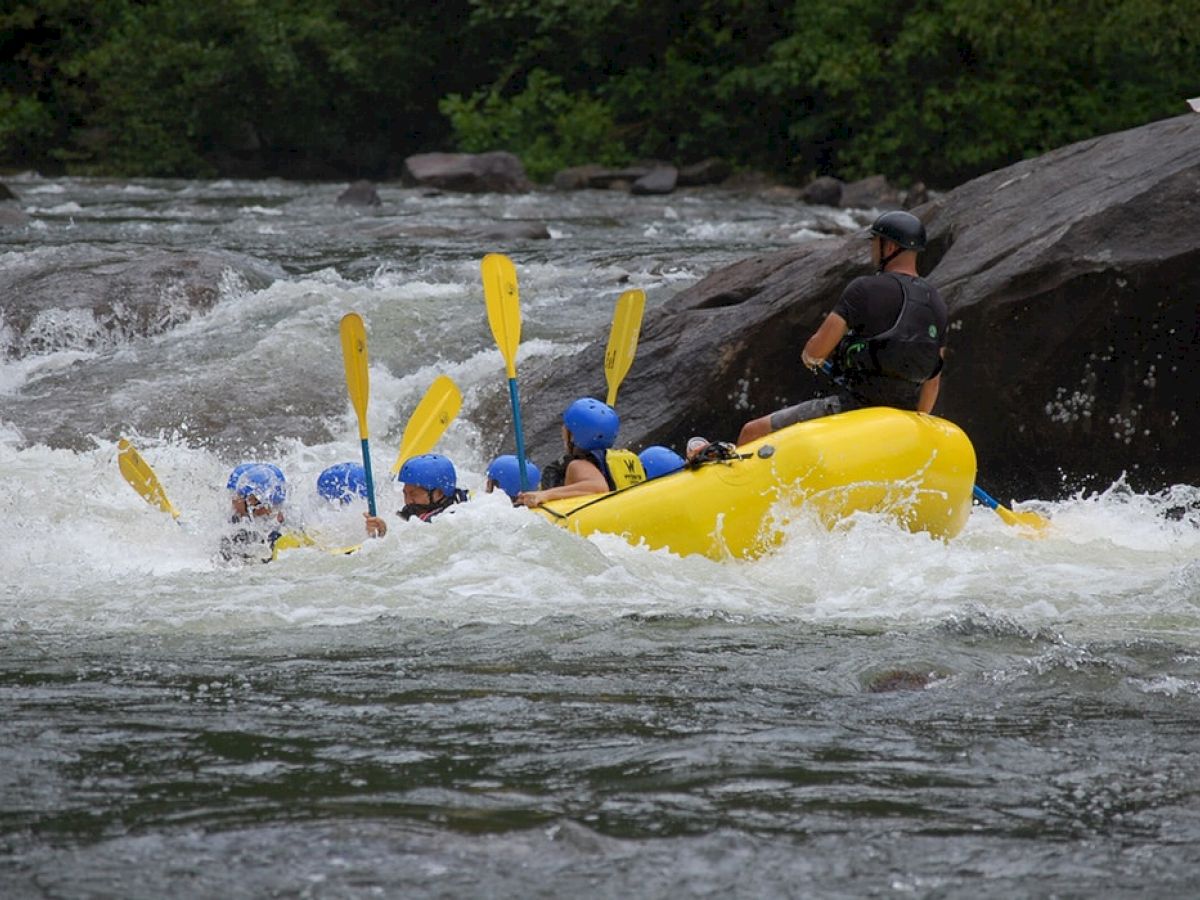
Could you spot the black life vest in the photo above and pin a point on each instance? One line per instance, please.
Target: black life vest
(887, 369)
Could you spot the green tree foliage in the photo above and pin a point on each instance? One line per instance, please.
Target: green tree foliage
(948, 90)
(543, 124)
(167, 87)
(939, 90)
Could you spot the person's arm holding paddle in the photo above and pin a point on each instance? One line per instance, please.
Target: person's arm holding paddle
(823, 341)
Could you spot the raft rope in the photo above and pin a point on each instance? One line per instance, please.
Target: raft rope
(717, 452)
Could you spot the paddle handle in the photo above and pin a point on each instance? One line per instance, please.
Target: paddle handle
(518, 431)
(370, 479)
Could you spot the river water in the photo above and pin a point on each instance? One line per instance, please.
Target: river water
(486, 705)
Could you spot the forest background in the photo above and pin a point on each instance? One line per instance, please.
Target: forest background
(935, 90)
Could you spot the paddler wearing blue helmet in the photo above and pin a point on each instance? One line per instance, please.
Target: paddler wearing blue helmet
(342, 482)
(658, 461)
(884, 339)
(258, 495)
(430, 488)
(504, 472)
(590, 465)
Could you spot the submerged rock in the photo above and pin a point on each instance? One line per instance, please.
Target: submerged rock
(1072, 281)
(83, 297)
(12, 216)
(898, 680)
(360, 193)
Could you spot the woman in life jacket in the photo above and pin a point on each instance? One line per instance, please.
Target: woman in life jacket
(590, 465)
(430, 488)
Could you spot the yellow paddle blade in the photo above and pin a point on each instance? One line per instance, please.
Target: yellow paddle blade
(293, 540)
(503, 306)
(429, 420)
(354, 356)
(299, 540)
(142, 478)
(623, 339)
(1026, 519)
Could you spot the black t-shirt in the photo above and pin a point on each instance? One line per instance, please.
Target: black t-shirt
(870, 304)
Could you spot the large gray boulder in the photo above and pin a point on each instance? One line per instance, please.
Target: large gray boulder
(1073, 282)
(475, 173)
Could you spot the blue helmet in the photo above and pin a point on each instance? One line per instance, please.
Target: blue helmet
(429, 471)
(236, 474)
(342, 482)
(232, 483)
(506, 472)
(264, 481)
(593, 425)
(659, 460)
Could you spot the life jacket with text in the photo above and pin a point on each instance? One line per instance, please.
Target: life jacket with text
(621, 468)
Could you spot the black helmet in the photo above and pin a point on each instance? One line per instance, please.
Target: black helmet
(902, 228)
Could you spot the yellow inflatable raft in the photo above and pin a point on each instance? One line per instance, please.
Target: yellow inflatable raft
(916, 467)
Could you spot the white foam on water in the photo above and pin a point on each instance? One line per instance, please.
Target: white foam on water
(81, 551)
(17, 373)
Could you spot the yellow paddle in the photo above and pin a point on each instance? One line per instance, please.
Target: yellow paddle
(142, 478)
(429, 420)
(354, 355)
(623, 339)
(1027, 519)
(504, 316)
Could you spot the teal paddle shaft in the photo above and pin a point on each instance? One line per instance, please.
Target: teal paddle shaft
(520, 434)
(366, 455)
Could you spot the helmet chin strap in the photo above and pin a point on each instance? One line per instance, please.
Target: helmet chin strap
(884, 260)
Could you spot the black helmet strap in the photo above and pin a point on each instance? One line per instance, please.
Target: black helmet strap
(884, 260)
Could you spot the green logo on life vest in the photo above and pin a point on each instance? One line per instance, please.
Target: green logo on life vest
(933, 331)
